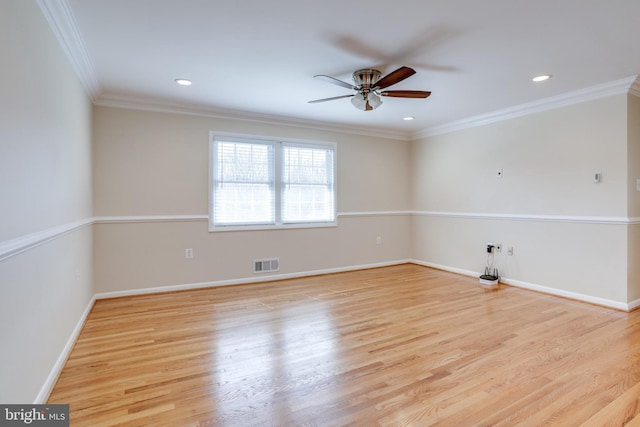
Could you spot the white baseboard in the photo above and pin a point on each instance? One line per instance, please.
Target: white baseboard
(243, 281)
(447, 268)
(542, 289)
(50, 382)
(47, 387)
(633, 304)
(568, 294)
(57, 368)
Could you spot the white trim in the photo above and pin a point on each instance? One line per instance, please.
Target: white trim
(245, 280)
(470, 215)
(140, 104)
(374, 213)
(50, 382)
(259, 227)
(567, 294)
(615, 220)
(21, 244)
(149, 218)
(635, 87)
(542, 289)
(10, 248)
(60, 17)
(446, 268)
(633, 304)
(618, 87)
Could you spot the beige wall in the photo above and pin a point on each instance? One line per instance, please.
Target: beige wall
(547, 158)
(62, 161)
(568, 233)
(633, 155)
(150, 164)
(133, 256)
(45, 170)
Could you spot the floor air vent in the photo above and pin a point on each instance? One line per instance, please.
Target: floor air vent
(265, 265)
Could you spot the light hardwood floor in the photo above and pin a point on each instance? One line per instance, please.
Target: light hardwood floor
(394, 346)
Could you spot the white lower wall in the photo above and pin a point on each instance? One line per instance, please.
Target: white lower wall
(577, 258)
(45, 291)
(633, 267)
(151, 253)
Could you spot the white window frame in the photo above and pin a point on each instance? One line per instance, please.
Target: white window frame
(277, 143)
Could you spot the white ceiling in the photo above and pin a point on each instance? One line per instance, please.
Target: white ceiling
(257, 58)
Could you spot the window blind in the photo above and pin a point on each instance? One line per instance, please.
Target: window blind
(244, 184)
(260, 183)
(307, 184)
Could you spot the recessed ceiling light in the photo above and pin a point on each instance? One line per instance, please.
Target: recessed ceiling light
(541, 77)
(183, 82)
(408, 118)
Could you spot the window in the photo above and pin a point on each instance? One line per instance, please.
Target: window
(243, 183)
(264, 184)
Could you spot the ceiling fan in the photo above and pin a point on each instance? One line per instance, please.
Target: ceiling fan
(369, 85)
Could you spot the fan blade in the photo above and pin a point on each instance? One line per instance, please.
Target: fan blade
(331, 99)
(406, 93)
(335, 81)
(394, 77)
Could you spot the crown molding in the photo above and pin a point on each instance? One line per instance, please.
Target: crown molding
(60, 18)
(617, 87)
(629, 85)
(635, 87)
(136, 103)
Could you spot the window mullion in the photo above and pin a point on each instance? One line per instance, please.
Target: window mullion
(278, 188)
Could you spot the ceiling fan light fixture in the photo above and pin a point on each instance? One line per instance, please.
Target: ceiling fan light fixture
(366, 101)
(374, 100)
(359, 102)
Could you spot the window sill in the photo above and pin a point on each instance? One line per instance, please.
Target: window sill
(214, 229)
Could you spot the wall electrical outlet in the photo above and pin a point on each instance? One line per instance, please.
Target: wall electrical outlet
(510, 251)
(378, 240)
(188, 253)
